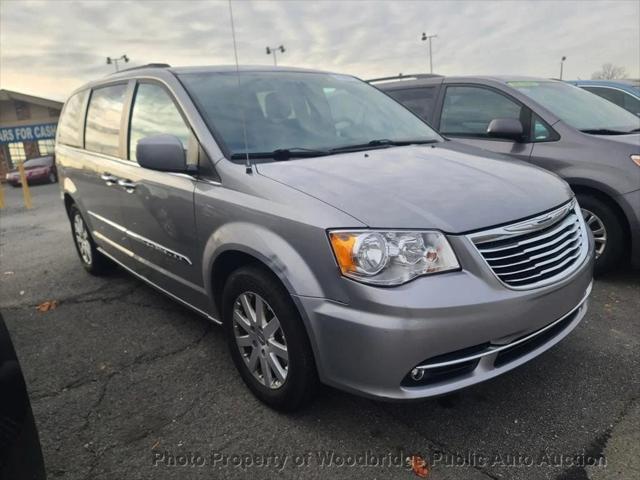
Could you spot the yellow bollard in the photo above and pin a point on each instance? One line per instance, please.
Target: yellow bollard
(25, 186)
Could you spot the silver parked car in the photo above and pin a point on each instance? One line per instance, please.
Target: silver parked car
(335, 235)
(591, 143)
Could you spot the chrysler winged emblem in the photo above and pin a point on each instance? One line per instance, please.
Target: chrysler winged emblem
(541, 221)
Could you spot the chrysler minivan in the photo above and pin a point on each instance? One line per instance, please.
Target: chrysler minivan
(336, 237)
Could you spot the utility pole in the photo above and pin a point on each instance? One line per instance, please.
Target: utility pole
(562, 65)
(115, 61)
(273, 50)
(426, 37)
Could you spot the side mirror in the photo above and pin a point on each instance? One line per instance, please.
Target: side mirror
(509, 128)
(161, 152)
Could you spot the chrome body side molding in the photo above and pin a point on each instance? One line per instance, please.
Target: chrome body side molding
(144, 240)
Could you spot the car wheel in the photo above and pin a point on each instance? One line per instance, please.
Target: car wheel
(267, 339)
(92, 260)
(53, 178)
(607, 230)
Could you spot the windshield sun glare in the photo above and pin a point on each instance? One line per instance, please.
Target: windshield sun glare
(300, 112)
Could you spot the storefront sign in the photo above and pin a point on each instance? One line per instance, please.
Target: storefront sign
(28, 133)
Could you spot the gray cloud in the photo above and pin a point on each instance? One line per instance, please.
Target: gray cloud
(50, 47)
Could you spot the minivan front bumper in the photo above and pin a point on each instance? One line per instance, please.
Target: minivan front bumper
(460, 328)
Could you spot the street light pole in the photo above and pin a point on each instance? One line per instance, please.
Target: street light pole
(429, 37)
(115, 61)
(562, 65)
(273, 50)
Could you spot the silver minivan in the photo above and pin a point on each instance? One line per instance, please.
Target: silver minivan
(336, 237)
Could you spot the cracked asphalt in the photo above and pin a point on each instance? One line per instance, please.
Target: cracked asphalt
(126, 383)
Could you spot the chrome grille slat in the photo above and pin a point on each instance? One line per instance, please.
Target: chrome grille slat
(567, 223)
(542, 264)
(546, 253)
(552, 243)
(558, 267)
(535, 252)
(545, 262)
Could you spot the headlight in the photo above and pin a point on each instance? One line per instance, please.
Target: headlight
(391, 257)
(636, 159)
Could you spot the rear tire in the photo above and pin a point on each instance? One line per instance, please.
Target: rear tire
(92, 260)
(608, 232)
(53, 178)
(288, 384)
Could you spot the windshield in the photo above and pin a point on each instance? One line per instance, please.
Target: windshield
(38, 162)
(300, 111)
(579, 108)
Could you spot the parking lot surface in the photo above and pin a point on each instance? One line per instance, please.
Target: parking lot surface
(126, 383)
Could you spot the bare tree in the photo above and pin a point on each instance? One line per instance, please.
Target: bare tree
(609, 71)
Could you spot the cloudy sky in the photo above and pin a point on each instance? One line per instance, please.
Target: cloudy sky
(48, 48)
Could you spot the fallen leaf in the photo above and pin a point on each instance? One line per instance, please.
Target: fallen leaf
(419, 466)
(155, 445)
(48, 305)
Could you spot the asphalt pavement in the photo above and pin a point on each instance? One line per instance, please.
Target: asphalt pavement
(125, 384)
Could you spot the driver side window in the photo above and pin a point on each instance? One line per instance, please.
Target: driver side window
(467, 111)
(154, 113)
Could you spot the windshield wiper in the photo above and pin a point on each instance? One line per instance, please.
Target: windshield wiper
(282, 154)
(603, 131)
(381, 143)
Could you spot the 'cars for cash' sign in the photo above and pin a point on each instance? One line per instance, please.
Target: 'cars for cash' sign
(27, 133)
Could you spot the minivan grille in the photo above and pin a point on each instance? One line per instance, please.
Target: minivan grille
(538, 251)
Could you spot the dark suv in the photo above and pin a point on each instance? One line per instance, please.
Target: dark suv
(591, 143)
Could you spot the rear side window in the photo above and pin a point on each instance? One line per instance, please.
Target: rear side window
(467, 111)
(155, 113)
(70, 125)
(620, 98)
(615, 96)
(103, 119)
(418, 100)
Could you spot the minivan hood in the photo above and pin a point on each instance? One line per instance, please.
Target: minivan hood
(447, 186)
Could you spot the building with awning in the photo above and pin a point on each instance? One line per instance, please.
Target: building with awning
(27, 127)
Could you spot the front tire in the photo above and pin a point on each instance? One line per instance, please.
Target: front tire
(608, 232)
(92, 260)
(267, 339)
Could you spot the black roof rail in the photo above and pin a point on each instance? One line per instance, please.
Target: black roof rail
(413, 76)
(140, 67)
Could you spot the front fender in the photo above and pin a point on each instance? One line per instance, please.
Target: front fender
(270, 248)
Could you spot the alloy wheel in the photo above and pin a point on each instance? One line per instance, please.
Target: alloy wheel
(81, 235)
(598, 230)
(261, 340)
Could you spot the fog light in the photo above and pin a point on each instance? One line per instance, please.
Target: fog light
(417, 374)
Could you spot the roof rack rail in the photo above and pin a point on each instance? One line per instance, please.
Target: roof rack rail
(413, 76)
(140, 67)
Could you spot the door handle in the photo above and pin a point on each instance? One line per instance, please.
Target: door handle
(128, 185)
(108, 178)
